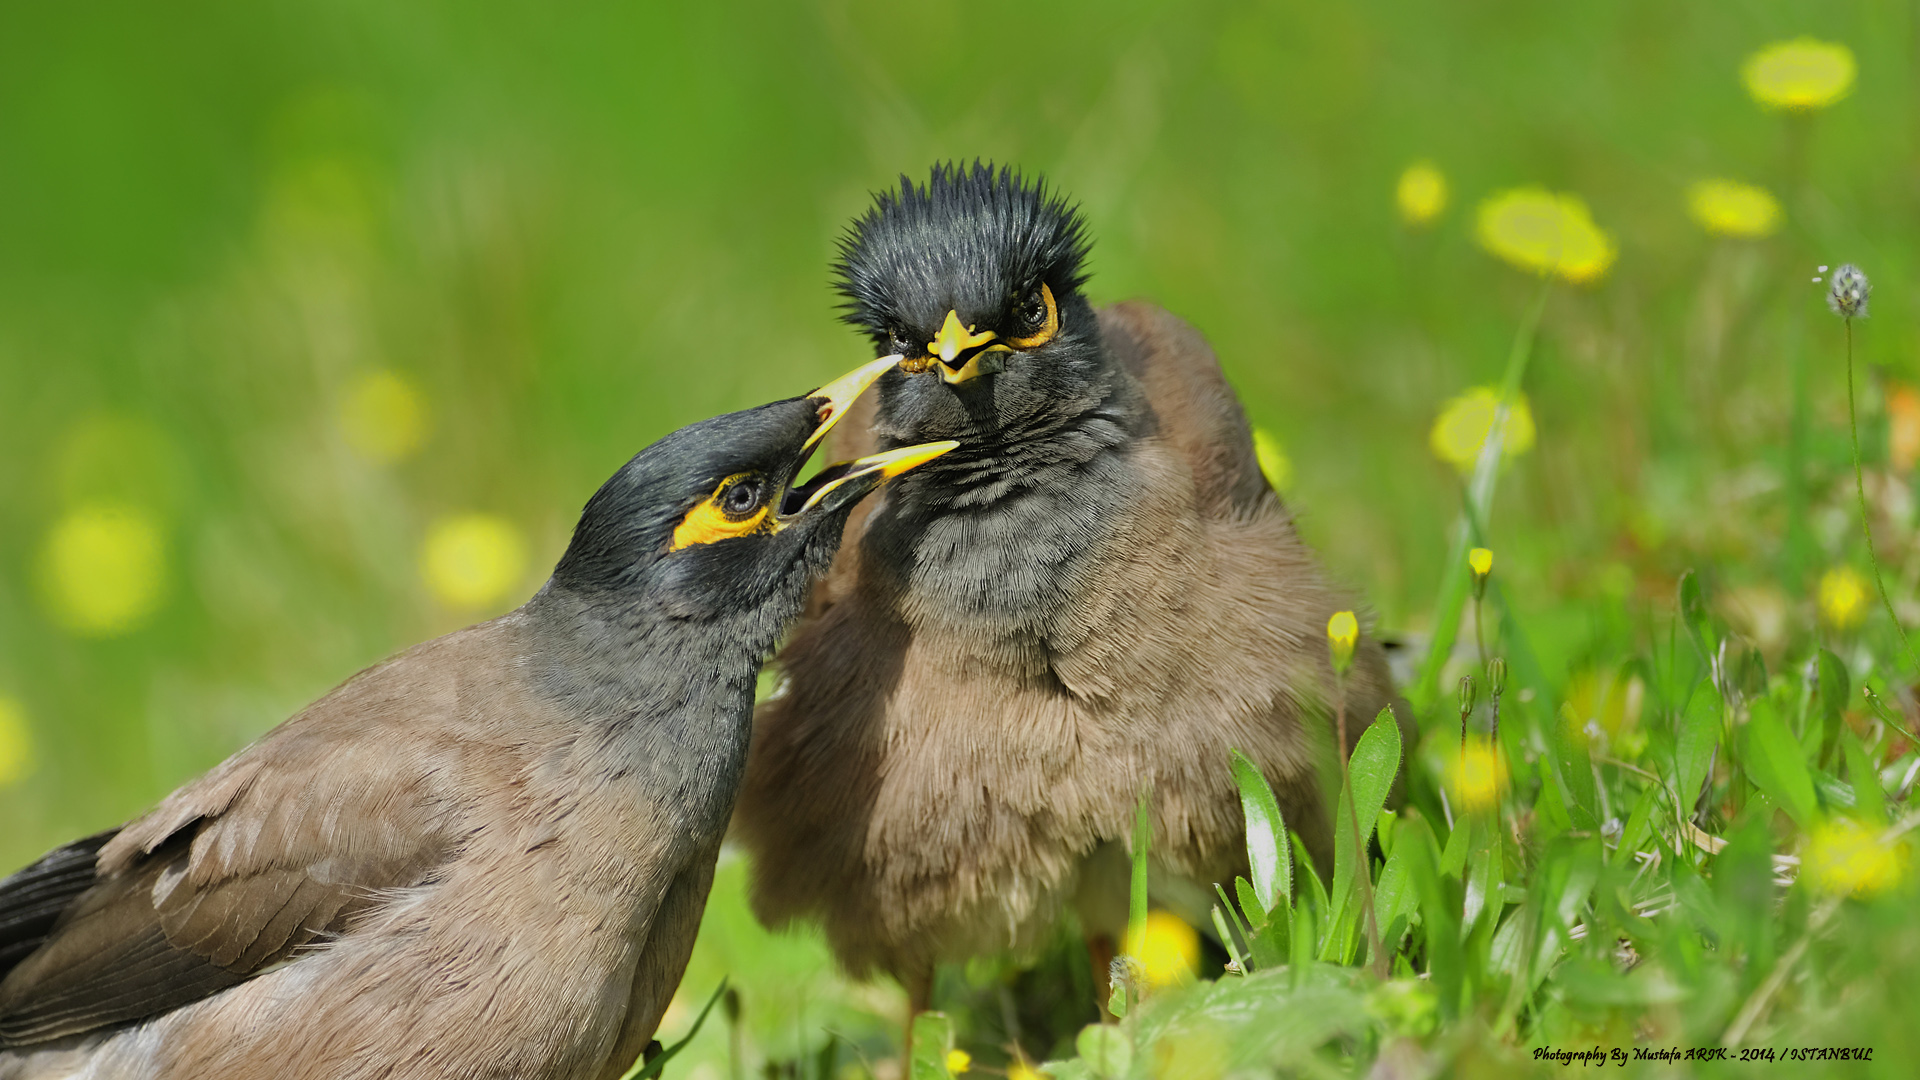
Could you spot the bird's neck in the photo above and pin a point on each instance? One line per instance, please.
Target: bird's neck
(621, 663)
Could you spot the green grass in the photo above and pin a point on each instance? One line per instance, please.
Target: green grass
(572, 233)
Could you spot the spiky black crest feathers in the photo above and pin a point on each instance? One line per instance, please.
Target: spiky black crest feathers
(970, 238)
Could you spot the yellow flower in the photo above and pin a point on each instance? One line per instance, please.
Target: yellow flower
(1274, 463)
(1169, 949)
(1843, 597)
(383, 418)
(1844, 856)
(1544, 233)
(1343, 632)
(958, 1061)
(1731, 208)
(1421, 193)
(1020, 1070)
(1480, 561)
(103, 569)
(1466, 420)
(472, 560)
(1799, 75)
(1476, 775)
(16, 743)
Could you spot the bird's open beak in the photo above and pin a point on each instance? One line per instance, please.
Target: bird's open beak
(976, 354)
(839, 395)
(845, 482)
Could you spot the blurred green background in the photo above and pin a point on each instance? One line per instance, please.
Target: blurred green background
(318, 323)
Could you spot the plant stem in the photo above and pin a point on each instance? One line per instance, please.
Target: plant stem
(1480, 486)
(1361, 863)
(1860, 490)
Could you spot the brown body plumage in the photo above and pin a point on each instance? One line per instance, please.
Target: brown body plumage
(937, 780)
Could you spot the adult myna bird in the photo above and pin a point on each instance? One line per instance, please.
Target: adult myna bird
(485, 857)
(1097, 592)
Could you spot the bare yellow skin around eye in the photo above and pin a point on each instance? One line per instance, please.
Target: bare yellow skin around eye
(1046, 332)
(709, 522)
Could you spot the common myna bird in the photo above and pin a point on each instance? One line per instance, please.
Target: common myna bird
(485, 857)
(1098, 591)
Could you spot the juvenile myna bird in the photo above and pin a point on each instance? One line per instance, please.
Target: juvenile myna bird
(485, 857)
(1097, 591)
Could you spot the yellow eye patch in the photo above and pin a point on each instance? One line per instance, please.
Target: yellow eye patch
(710, 521)
(1046, 332)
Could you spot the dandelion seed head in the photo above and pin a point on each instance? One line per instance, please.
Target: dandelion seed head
(1849, 293)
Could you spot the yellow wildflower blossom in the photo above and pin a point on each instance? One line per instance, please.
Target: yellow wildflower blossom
(1466, 420)
(1020, 1070)
(1480, 561)
(1731, 208)
(1844, 856)
(1421, 193)
(103, 569)
(1274, 462)
(1843, 597)
(1799, 75)
(1545, 233)
(958, 1061)
(1477, 775)
(16, 742)
(383, 417)
(472, 560)
(1343, 633)
(1169, 949)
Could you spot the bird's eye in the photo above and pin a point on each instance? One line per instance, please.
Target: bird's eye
(1038, 318)
(899, 341)
(1032, 313)
(742, 497)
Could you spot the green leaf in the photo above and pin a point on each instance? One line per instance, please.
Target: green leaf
(1831, 690)
(1272, 871)
(1453, 861)
(932, 1039)
(1639, 823)
(1104, 1047)
(1694, 616)
(1230, 941)
(1696, 740)
(1775, 765)
(1256, 915)
(647, 1070)
(1869, 799)
(1396, 898)
(1574, 767)
(1374, 765)
(1314, 891)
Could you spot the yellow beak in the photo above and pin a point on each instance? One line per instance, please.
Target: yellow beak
(841, 393)
(883, 466)
(955, 339)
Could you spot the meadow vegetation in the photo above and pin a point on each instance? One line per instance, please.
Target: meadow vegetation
(316, 331)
